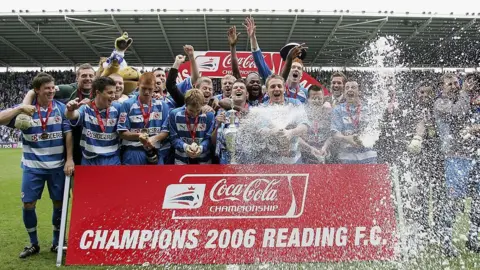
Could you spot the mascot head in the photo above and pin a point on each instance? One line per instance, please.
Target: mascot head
(117, 64)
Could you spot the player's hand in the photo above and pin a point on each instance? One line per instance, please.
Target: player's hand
(189, 51)
(221, 118)
(318, 153)
(180, 59)
(215, 104)
(27, 109)
(69, 167)
(190, 152)
(415, 146)
(207, 109)
(352, 142)
(73, 105)
(144, 139)
(296, 51)
(250, 25)
(233, 36)
(198, 152)
(152, 141)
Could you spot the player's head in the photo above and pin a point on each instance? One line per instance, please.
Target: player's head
(160, 74)
(425, 93)
(315, 96)
(275, 88)
(352, 91)
(158, 91)
(239, 92)
(118, 85)
(105, 89)
(471, 82)
(227, 84)
(194, 101)
(44, 87)
(449, 84)
(254, 84)
(296, 72)
(337, 83)
(146, 85)
(85, 76)
(205, 85)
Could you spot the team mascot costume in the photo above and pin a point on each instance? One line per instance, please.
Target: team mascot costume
(116, 63)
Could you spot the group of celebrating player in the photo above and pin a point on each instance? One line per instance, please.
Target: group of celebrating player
(91, 122)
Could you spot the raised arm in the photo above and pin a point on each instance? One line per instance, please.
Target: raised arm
(190, 52)
(171, 83)
(29, 97)
(262, 66)
(232, 41)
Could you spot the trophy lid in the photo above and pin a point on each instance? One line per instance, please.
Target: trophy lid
(286, 49)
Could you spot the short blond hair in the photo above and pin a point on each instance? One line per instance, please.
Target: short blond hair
(194, 97)
(228, 76)
(201, 80)
(274, 76)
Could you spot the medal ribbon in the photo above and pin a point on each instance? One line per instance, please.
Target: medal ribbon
(296, 91)
(146, 115)
(193, 132)
(44, 122)
(355, 120)
(316, 127)
(99, 118)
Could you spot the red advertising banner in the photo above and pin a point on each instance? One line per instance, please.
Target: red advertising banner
(213, 214)
(216, 64)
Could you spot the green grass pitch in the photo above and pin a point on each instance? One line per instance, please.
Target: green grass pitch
(13, 236)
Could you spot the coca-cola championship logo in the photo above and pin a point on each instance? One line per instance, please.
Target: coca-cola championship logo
(245, 61)
(243, 196)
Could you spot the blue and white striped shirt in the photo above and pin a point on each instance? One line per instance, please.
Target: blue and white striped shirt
(343, 123)
(94, 141)
(45, 155)
(131, 119)
(180, 135)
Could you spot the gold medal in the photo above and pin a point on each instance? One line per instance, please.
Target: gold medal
(144, 130)
(44, 136)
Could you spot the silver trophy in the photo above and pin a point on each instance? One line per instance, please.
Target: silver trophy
(231, 136)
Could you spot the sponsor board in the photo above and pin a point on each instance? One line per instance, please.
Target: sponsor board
(216, 64)
(11, 145)
(213, 214)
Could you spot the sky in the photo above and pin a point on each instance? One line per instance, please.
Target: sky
(413, 6)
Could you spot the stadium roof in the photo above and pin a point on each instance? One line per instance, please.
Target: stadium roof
(335, 38)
